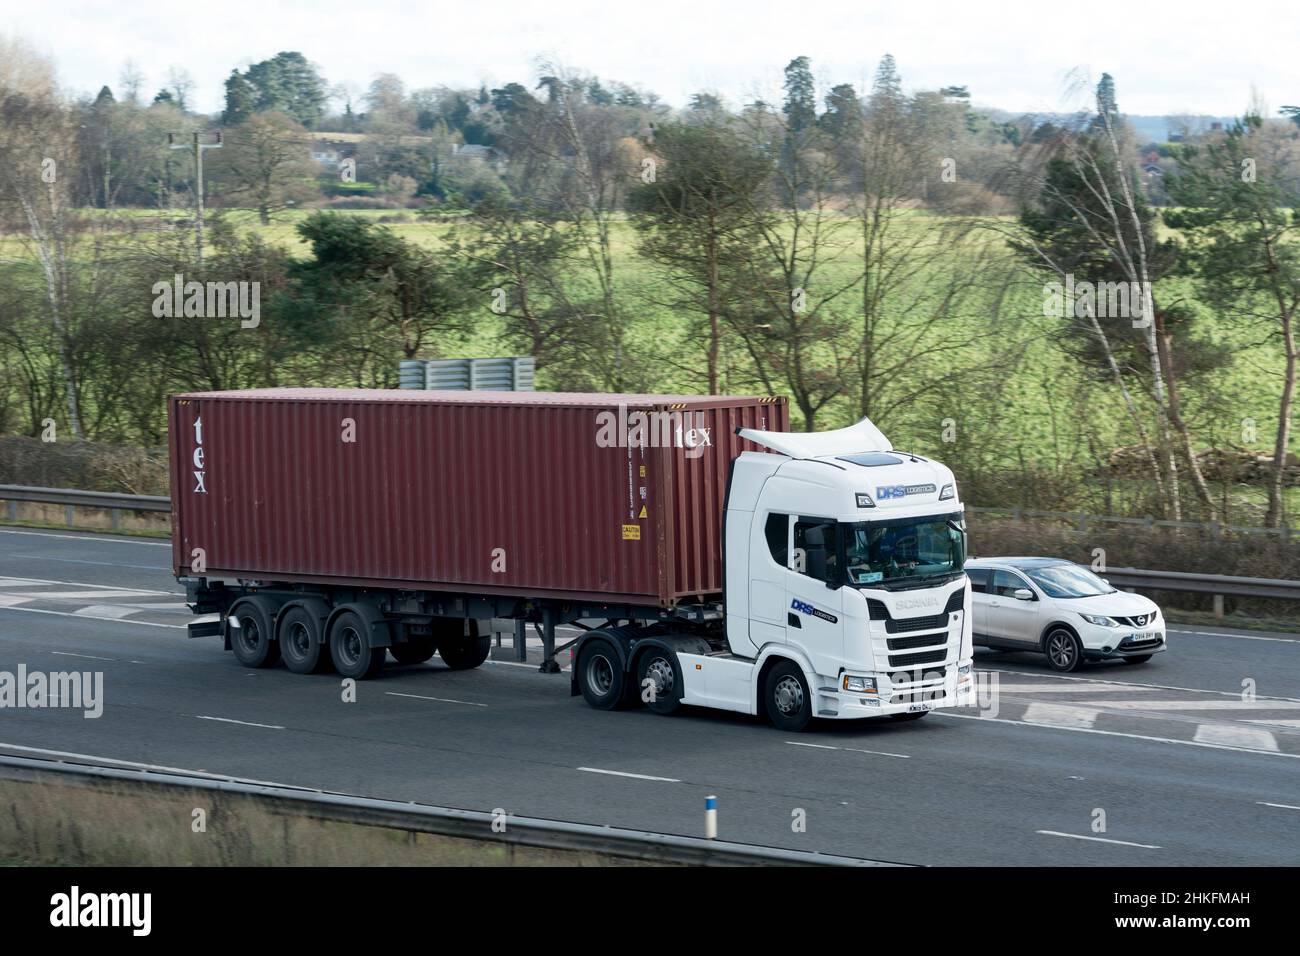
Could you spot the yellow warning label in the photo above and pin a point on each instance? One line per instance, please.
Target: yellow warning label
(631, 532)
(643, 471)
(642, 514)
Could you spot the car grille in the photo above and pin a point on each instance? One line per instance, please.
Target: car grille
(911, 660)
(1141, 620)
(1141, 645)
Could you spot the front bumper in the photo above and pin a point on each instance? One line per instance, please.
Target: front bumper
(931, 691)
(1128, 646)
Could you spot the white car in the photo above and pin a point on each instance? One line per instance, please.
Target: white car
(1060, 609)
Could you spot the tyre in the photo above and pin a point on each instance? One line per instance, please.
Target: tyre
(461, 654)
(350, 647)
(600, 675)
(416, 649)
(917, 716)
(251, 640)
(659, 681)
(1140, 659)
(786, 697)
(300, 643)
(1064, 652)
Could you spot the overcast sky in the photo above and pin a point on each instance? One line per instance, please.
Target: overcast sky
(1190, 57)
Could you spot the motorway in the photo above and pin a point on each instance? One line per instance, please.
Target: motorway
(1185, 771)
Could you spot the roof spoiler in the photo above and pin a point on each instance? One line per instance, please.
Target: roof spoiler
(864, 436)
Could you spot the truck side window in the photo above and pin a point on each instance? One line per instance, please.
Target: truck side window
(777, 530)
(814, 548)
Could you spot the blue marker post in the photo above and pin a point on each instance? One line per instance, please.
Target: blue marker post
(710, 818)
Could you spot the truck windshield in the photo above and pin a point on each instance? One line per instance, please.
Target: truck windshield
(903, 550)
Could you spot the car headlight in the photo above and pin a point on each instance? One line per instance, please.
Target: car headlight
(948, 491)
(859, 685)
(1099, 620)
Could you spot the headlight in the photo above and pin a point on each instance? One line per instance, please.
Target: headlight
(1099, 620)
(965, 669)
(859, 685)
(864, 501)
(948, 492)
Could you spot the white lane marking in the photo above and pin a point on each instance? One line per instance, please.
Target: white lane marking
(80, 595)
(1118, 733)
(16, 582)
(1257, 704)
(10, 600)
(87, 617)
(244, 723)
(1235, 735)
(1293, 724)
(856, 750)
(88, 657)
(634, 776)
(1279, 806)
(104, 761)
(87, 537)
(1059, 715)
(105, 610)
(1076, 836)
(445, 700)
(1244, 637)
(1128, 683)
(1008, 687)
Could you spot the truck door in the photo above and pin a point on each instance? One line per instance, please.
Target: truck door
(768, 563)
(814, 603)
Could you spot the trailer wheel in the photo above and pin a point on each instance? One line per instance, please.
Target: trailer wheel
(251, 640)
(659, 681)
(350, 648)
(465, 653)
(414, 650)
(788, 703)
(300, 643)
(600, 675)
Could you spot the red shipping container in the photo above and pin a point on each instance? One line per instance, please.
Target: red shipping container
(535, 494)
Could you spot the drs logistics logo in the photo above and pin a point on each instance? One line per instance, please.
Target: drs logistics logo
(804, 608)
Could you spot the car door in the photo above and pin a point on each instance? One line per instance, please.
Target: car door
(979, 599)
(1008, 618)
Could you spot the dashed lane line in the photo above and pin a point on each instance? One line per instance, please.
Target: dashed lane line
(856, 750)
(87, 617)
(243, 723)
(1094, 839)
(444, 700)
(634, 776)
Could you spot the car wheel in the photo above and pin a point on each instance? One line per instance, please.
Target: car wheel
(1064, 652)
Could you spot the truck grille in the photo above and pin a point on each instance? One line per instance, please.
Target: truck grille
(920, 640)
(911, 660)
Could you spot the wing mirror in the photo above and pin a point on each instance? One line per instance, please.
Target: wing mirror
(1023, 594)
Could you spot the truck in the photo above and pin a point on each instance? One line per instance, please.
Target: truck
(705, 555)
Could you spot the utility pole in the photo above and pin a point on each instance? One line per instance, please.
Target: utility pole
(198, 147)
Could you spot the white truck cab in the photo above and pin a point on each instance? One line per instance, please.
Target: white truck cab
(845, 591)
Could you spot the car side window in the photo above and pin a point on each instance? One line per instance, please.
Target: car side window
(814, 549)
(1006, 583)
(979, 580)
(777, 530)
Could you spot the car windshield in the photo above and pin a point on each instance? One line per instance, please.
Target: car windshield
(879, 552)
(1068, 581)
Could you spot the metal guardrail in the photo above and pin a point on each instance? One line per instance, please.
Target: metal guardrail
(445, 821)
(110, 501)
(1185, 581)
(1081, 521)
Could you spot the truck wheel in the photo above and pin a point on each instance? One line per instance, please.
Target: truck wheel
(600, 675)
(465, 653)
(415, 650)
(1064, 652)
(300, 643)
(350, 648)
(658, 670)
(251, 641)
(788, 703)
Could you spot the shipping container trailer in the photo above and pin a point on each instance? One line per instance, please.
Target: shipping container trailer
(337, 526)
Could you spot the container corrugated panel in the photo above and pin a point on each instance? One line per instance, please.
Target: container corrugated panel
(535, 494)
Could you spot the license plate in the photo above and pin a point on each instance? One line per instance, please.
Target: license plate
(918, 708)
(1143, 636)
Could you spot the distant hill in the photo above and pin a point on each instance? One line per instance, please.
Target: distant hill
(1149, 129)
